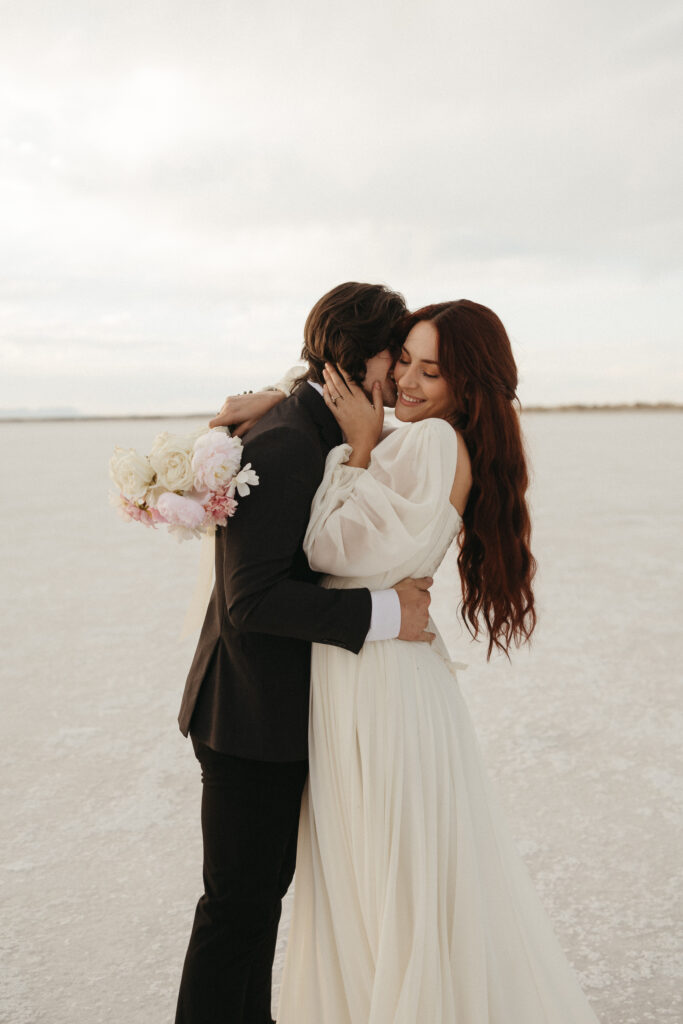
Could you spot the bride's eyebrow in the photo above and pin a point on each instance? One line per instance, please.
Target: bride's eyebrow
(405, 352)
(432, 362)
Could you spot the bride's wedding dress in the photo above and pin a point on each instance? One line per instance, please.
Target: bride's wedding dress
(411, 904)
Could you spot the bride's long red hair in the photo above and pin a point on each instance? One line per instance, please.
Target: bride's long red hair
(495, 561)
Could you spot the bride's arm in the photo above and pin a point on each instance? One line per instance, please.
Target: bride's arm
(370, 521)
(240, 412)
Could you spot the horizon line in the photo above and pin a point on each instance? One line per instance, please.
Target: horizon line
(73, 417)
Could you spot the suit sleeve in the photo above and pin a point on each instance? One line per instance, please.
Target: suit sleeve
(262, 542)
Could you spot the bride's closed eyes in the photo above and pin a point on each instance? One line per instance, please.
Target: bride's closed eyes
(404, 360)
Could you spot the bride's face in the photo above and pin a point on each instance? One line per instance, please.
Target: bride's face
(422, 391)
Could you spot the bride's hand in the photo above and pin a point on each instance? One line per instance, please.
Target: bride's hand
(240, 412)
(360, 418)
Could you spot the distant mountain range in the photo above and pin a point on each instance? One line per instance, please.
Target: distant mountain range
(57, 413)
(607, 407)
(22, 414)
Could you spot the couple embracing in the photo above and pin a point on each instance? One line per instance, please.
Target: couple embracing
(324, 711)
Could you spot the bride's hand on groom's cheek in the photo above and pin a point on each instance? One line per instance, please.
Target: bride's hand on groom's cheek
(241, 412)
(359, 416)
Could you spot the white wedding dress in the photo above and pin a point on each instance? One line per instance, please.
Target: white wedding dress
(411, 904)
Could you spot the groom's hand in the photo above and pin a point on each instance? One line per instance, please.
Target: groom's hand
(415, 598)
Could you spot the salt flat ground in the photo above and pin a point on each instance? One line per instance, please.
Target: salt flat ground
(99, 794)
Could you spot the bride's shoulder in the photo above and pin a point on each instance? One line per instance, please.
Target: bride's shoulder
(430, 431)
(444, 447)
(420, 447)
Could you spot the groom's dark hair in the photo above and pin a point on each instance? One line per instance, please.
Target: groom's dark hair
(350, 325)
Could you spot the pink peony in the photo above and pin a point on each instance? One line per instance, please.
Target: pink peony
(215, 461)
(220, 506)
(179, 511)
(154, 515)
(132, 512)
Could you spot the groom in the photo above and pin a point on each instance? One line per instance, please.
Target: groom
(245, 703)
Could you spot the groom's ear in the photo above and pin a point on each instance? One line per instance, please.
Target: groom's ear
(346, 378)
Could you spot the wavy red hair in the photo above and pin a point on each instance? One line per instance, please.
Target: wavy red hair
(495, 561)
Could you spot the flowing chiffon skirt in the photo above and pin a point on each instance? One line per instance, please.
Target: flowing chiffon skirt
(412, 905)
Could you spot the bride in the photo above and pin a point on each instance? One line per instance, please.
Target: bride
(412, 905)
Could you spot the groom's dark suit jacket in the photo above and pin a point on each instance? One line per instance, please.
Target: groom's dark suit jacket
(247, 689)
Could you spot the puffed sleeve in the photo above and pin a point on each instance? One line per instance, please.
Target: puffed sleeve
(286, 384)
(366, 521)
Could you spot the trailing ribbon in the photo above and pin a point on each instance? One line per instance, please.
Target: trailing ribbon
(196, 609)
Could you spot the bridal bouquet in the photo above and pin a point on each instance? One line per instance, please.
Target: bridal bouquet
(185, 483)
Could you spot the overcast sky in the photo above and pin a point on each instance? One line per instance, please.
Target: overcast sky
(180, 181)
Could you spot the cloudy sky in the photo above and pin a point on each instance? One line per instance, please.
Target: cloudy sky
(180, 181)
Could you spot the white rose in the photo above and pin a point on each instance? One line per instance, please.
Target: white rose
(131, 472)
(171, 458)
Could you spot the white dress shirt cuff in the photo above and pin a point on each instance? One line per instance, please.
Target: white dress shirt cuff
(385, 622)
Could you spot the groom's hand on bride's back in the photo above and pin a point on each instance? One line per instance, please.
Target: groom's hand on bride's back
(415, 598)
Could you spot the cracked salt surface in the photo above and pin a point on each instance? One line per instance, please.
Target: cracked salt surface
(100, 856)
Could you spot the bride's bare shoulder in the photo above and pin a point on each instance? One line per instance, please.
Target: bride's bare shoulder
(462, 482)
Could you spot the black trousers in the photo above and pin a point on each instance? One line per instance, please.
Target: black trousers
(250, 815)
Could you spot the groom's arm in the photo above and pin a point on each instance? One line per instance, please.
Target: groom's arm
(262, 543)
